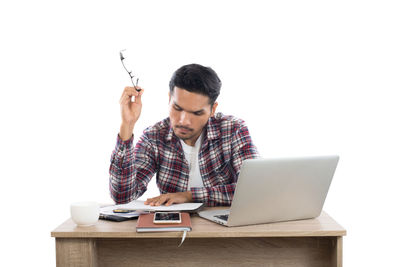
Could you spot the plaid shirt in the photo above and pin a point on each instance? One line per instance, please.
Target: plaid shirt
(226, 143)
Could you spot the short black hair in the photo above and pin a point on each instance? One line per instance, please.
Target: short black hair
(197, 79)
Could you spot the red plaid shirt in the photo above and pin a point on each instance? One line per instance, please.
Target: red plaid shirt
(226, 143)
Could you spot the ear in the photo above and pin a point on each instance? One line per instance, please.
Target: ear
(214, 107)
(169, 97)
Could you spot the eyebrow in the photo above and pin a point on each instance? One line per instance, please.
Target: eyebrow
(198, 111)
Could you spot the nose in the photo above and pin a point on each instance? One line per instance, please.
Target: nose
(184, 119)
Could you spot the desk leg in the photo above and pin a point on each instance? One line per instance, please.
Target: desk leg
(76, 252)
(338, 252)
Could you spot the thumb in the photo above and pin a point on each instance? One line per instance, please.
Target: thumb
(138, 98)
(170, 202)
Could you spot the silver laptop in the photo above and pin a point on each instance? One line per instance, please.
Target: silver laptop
(273, 190)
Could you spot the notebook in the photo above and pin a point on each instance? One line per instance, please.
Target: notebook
(145, 224)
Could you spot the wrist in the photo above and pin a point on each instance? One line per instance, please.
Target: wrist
(189, 196)
(126, 131)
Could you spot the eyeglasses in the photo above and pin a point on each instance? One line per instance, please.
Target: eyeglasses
(129, 70)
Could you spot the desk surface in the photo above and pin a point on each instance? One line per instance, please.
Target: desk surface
(323, 225)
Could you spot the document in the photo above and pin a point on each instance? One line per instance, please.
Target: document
(138, 207)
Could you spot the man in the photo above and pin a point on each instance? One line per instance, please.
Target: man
(195, 153)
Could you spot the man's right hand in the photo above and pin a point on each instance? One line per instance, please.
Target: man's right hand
(130, 110)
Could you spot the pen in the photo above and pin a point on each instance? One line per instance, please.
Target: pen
(123, 210)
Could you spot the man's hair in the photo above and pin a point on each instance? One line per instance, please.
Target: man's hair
(197, 79)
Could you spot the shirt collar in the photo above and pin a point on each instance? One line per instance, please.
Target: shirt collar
(213, 131)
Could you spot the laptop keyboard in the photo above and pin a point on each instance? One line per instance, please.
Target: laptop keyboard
(222, 217)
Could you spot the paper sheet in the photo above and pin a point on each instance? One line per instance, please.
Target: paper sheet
(140, 207)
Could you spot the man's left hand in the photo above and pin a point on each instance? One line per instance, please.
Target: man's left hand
(170, 198)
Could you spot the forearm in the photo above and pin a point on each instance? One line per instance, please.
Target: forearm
(122, 171)
(130, 170)
(123, 188)
(220, 195)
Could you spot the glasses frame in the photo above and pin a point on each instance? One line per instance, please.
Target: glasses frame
(121, 56)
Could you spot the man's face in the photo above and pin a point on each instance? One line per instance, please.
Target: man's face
(189, 113)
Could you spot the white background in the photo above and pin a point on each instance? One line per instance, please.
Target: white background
(309, 78)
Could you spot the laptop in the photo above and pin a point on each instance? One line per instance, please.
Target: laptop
(274, 190)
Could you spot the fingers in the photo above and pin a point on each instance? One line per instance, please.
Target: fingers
(149, 200)
(170, 198)
(127, 95)
(157, 201)
(130, 92)
(170, 202)
(138, 98)
(162, 199)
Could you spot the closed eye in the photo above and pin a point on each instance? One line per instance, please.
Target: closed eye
(177, 108)
(196, 113)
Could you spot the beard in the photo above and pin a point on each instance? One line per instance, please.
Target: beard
(184, 133)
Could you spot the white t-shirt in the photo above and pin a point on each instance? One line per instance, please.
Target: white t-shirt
(192, 156)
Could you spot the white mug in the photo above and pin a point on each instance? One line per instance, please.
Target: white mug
(85, 213)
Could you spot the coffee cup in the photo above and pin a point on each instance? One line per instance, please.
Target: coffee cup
(85, 213)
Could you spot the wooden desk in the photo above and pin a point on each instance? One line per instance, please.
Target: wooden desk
(315, 242)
